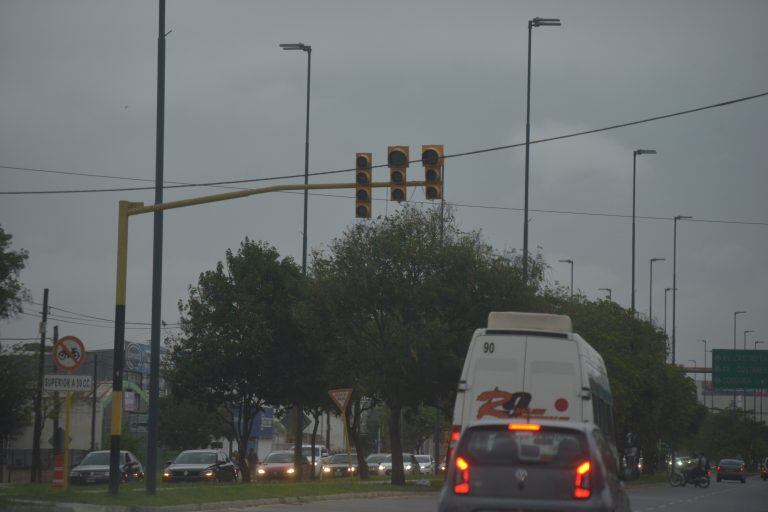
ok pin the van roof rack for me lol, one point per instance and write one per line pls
(511, 320)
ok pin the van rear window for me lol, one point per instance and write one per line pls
(496, 444)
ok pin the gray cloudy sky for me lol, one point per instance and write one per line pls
(77, 92)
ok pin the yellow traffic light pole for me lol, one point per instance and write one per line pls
(125, 211)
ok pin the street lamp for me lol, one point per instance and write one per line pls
(535, 22)
(650, 290)
(674, 282)
(308, 49)
(571, 262)
(634, 180)
(735, 314)
(606, 290)
(694, 366)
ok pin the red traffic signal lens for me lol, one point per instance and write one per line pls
(362, 163)
(362, 178)
(397, 158)
(362, 195)
(398, 195)
(397, 176)
(430, 157)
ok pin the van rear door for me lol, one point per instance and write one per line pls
(495, 377)
(553, 378)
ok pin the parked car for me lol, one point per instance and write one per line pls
(410, 465)
(548, 465)
(280, 465)
(426, 464)
(201, 466)
(339, 465)
(373, 461)
(321, 453)
(731, 469)
(94, 468)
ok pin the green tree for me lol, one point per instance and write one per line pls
(186, 425)
(12, 292)
(405, 293)
(17, 386)
(237, 336)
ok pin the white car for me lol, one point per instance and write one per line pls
(426, 464)
(410, 465)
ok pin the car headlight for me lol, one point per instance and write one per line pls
(208, 473)
(326, 469)
(352, 468)
(166, 474)
(381, 467)
(260, 471)
(408, 467)
(290, 471)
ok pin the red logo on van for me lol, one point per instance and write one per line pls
(503, 404)
(561, 404)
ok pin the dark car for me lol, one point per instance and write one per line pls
(764, 469)
(340, 464)
(94, 468)
(280, 465)
(731, 469)
(564, 466)
(201, 466)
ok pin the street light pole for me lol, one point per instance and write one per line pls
(674, 283)
(745, 338)
(535, 22)
(571, 263)
(705, 375)
(634, 181)
(754, 394)
(666, 291)
(650, 290)
(735, 314)
(606, 290)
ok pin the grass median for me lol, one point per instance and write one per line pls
(184, 493)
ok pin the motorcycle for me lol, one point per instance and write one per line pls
(678, 479)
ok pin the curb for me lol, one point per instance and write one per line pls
(44, 506)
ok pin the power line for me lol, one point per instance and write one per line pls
(58, 319)
(88, 316)
(322, 173)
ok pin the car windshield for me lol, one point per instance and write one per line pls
(497, 445)
(342, 458)
(406, 458)
(96, 459)
(196, 458)
(376, 457)
(731, 462)
(423, 458)
(279, 457)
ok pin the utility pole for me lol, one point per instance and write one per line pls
(37, 469)
(56, 404)
(93, 401)
(157, 273)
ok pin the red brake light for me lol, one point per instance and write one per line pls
(718, 468)
(461, 479)
(582, 484)
(531, 427)
(741, 468)
(455, 433)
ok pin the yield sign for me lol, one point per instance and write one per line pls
(341, 397)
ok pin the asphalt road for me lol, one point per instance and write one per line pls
(719, 497)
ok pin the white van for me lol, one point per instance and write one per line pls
(533, 366)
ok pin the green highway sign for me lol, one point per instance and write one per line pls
(739, 369)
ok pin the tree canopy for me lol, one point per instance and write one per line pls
(12, 292)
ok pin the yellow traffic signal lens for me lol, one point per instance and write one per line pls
(431, 175)
(362, 178)
(362, 194)
(397, 176)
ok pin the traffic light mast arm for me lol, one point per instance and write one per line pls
(139, 208)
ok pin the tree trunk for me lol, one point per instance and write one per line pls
(354, 434)
(316, 414)
(243, 436)
(298, 458)
(398, 475)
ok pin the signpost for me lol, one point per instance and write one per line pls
(739, 369)
(341, 398)
(68, 353)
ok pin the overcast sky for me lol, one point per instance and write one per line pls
(77, 93)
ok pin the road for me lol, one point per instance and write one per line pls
(719, 497)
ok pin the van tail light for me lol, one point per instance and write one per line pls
(455, 433)
(718, 468)
(582, 485)
(530, 427)
(461, 477)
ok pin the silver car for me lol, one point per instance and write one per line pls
(548, 465)
(410, 465)
(426, 464)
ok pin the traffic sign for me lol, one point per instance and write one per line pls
(68, 353)
(64, 382)
(341, 397)
(739, 369)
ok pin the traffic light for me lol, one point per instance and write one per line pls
(432, 159)
(397, 160)
(363, 178)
